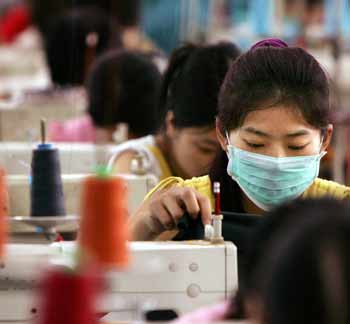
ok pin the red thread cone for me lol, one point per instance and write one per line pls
(103, 230)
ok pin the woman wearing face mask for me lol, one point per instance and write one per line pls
(273, 126)
(187, 110)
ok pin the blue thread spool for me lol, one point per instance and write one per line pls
(46, 190)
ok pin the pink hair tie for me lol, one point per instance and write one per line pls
(269, 42)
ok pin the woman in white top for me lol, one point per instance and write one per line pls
(188, 106)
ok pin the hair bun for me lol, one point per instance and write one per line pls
(270, 42)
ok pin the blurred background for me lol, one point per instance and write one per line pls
(36, 39)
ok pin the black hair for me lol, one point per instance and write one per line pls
(125, 13)
(67, 44)
(124, 88)
(285, 266)
(43, 11)
(268, 76)
(192, 81)
(309, 265)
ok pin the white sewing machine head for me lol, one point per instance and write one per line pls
(177, 275)
(75, 158)
(19, 193)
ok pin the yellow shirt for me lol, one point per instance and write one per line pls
(319, 188)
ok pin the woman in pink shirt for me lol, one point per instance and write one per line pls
(75, 130)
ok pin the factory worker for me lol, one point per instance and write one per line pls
(273, 127)
(186, 118)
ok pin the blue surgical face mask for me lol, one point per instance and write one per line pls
(269, 181)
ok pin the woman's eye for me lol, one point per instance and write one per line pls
(207, 150)
(255, 145)
(297, 148)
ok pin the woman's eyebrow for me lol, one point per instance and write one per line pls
(301, 132)
(255, 131)
(258, 132)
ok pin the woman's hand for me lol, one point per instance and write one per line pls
(163, 210)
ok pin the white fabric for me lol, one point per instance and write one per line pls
(140, 145)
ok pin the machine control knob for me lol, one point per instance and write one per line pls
(193, 267)
(173, 267)
(193, 290)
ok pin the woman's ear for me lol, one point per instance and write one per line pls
(170, 124)
(221, 137)
(327, 137)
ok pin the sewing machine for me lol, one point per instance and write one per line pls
(19, 193)
(75, 158)
(178, 275)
